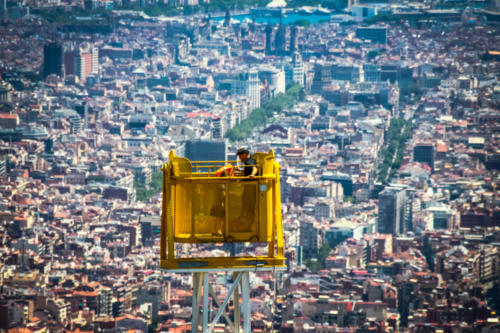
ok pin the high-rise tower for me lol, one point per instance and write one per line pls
(391, 211)
(424, 152)
(52, 59)
(206, 150)
(81, 61)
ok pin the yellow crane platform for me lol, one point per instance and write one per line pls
(204, 204)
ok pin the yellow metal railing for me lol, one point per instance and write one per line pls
(207, 168)
(201, 207)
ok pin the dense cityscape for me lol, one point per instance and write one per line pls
(383, 115)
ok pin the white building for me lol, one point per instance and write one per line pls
(294, 71)
(247, 84)
(275, 79)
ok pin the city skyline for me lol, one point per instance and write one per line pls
(383, 116)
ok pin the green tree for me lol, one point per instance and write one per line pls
(143, 194)
(397, 134)
(302, 23)
(316, 264)
(260, 116)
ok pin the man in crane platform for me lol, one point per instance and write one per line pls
(249, 194)
(248, 191)
(250, 169)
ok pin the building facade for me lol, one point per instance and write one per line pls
(391, 211)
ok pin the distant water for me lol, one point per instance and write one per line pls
(288, 19)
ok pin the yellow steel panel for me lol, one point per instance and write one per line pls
(208, 212)
(164, 209)
(182, 210)
(278, 218)
(168, 213)
(243, 211)
(265, 215)
(229, 262)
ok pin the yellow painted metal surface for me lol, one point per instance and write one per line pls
(201, 205)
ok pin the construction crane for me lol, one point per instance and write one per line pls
(203, 202)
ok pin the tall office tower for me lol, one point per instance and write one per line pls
(424, 152)
(269, 32)
(293, 39)
(83, 65)
(247, 84)
(309, 239)
(52, 59)
(391, 211)
(69, 61)
(322, 77)
(205, 150)
(81, 61)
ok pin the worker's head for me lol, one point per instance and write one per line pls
(243, 154)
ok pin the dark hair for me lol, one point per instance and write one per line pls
(242, 151)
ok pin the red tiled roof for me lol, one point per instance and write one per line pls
(8, 116)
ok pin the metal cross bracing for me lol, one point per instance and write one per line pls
(239, 291)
